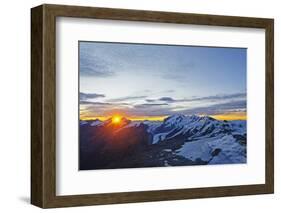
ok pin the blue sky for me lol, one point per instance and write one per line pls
(160, 80)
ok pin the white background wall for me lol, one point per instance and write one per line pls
(15, 106)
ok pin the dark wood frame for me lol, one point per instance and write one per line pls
(43, 105)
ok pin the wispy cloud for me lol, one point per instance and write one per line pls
(96, 103)
(149, 105)
(231, 106)
(218, 97)
(91, 64)
(165, 105)
(86, 96)
(164, 109)
(169, 91)
(167, 99)
(213, 98)
(95, 67)
(128, 98)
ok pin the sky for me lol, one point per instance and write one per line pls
(151, 82)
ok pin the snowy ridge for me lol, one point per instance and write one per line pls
(182, 140)
(96, 122)
(196, 126)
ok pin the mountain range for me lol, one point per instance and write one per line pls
(178, 140)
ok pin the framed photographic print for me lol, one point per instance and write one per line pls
(136, 106)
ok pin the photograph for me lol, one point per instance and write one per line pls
(140, 105)
(156, 105)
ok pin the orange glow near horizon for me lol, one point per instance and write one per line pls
(117, 118)
(140, 118)
(148, 118)
(231, 116)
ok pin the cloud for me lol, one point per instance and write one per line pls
(180, 70)
(95, 103)
(169, 91)
(213, 98)
(164, 109)
(95, 68)
(86, 96)
(91, 64)
(167, 99)
(101, 108)
(149, 105)
(231, 106)
(218, 97)
(105, 104)
(218, 104)
(127, 98)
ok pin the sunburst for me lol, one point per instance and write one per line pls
(116, 119)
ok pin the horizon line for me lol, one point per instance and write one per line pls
(233, 116)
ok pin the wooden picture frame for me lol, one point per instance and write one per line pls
(43, 105)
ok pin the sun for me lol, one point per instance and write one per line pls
(116, 119)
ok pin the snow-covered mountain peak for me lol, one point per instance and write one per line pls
(183, 120)
(177, 140)
(96, 122)
(175, 119)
